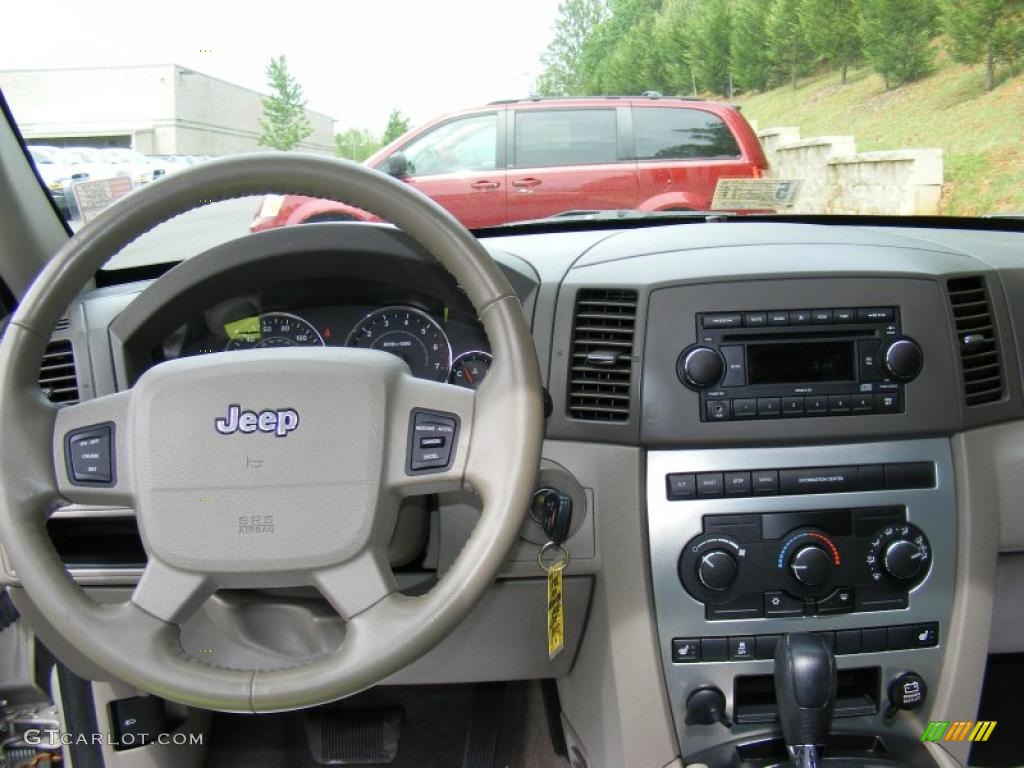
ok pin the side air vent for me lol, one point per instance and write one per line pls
(602, 354)
(979, 344)
(63, 324)
(57, 373)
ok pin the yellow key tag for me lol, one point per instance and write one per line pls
(556, 614)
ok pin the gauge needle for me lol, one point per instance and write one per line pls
(468, 375)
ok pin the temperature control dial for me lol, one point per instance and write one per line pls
(810, 565)
(900, 552)
(811, 558)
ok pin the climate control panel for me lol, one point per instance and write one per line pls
(814, 562)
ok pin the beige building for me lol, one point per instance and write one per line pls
(157, 110)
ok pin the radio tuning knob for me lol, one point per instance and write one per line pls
(700, 367)
(903, 359)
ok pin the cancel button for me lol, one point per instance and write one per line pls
(818, 480)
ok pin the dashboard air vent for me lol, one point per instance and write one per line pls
(602, 354)
(979, 345)
(57, 373)
(63, 324)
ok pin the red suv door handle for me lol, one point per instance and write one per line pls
(528, 183)
(485, 185)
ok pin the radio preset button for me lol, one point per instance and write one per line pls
(839, 404)
(755, 319)
(744, 408)
(778, 317)
(863, 403)
(723, 320)
(768, 406)
(843, 316)
(815, 405)
(792, 406)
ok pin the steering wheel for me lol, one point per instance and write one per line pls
(336, 430)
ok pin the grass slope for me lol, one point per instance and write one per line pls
(981, 132)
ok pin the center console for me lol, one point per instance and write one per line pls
(855, 543)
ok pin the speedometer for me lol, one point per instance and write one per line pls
(410, 334)
(274, 329)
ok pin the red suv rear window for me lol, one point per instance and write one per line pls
(681, 134)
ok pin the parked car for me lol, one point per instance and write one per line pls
(141, 168)
(517, 160)
(57, 174)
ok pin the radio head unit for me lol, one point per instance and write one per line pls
(796, 363)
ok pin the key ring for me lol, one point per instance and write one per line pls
(558, 564)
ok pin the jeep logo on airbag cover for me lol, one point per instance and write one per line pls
(277, 422)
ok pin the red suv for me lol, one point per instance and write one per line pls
(519, 160)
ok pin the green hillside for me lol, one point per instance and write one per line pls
(981, 132)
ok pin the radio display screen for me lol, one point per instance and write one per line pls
(803, 362)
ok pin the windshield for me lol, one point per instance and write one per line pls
(551, 109)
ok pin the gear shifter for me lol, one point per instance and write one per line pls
(805, 688)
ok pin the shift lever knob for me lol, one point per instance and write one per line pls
(805, 688)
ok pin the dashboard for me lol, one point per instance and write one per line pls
(763, 427)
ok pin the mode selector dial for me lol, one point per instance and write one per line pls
(717, 569)
(903, 359)
(810, 565)
(903, 559)
(700, 367)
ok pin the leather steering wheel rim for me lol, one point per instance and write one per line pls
(496, 454)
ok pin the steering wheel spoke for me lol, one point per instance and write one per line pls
(90, 451)
(438, 427)
(169, 593)
(358, 584)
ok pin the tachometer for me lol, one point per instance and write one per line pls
(274, 329)
(410, 334)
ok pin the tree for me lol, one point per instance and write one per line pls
(750, 54)
(830, 28)
(672, 43)
(789, 52)
(284, 123)
(356, 144)
(576, 21)
(896, 38)
(397, 125)
(985, 30)
(711, 50)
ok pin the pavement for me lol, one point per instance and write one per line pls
(189, 234)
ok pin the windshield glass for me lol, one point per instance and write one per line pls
(888, 107)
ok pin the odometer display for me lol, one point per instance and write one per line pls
(273, 329)
(409, 334)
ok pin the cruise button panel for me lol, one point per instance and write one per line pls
(433, 437)
(89, 453)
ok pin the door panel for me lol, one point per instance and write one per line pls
(565, 160)
(458, 165)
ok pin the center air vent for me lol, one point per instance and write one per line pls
(979, 344)
(57, 373)
(602, 354)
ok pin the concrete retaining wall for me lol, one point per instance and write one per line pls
(839, 180)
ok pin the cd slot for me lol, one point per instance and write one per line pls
(796, 338)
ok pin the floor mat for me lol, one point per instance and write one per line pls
(1000, 701)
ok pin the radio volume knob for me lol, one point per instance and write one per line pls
(903, 559)
(717, 569)
(700, 367)
(903, 359)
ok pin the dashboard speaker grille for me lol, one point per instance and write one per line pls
(978, 341)
(57, 373)
(601, 370)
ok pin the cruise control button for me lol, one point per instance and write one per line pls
(433, 442)
(782, 604)
(840, 601)
(428, 428)
(90, 455)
